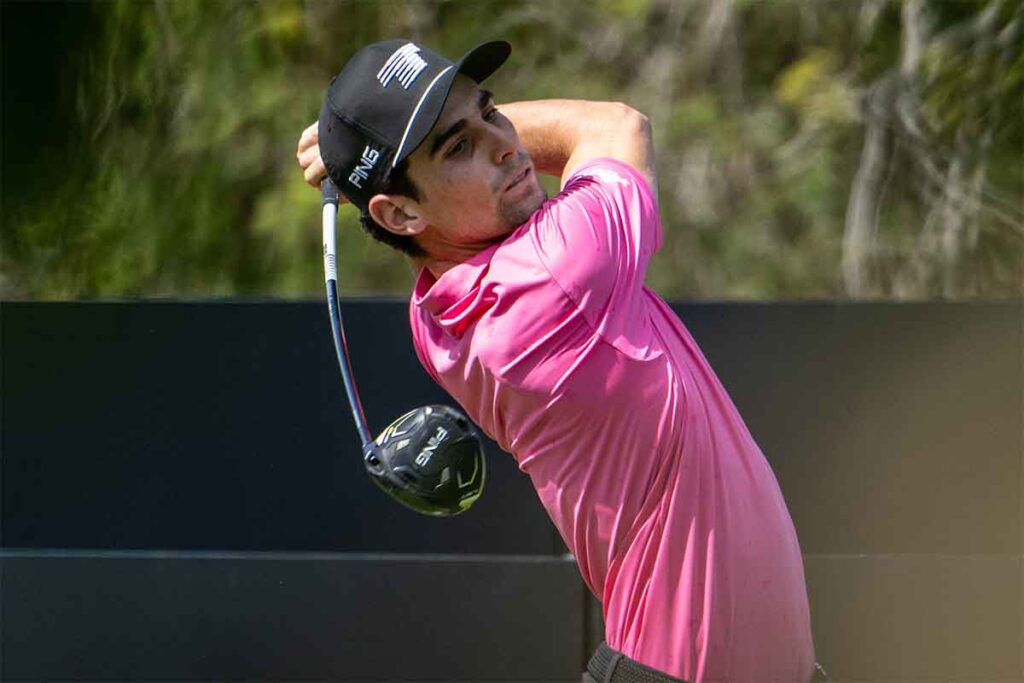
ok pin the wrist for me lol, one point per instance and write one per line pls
(542, 133)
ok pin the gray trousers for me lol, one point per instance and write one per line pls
(610, 666)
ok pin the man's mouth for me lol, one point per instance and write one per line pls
(519, 177)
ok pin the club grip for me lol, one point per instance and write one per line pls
(328, 192)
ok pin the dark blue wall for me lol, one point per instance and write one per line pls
(183, 497)
(224, 427)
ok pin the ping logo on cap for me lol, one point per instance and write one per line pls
(362, 169)
(404, 64)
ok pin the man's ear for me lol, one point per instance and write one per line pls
(396, 214)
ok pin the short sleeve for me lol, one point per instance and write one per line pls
(596, 239)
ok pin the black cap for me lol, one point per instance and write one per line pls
(382, 105)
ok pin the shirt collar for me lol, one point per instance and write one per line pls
(450, 295)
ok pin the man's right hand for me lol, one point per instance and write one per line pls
(308, 156)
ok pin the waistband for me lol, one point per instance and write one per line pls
(610, 666)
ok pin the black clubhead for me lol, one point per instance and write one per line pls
(431, 459)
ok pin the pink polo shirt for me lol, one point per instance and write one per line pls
(552, 344)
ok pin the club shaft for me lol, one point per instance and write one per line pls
(330, 213)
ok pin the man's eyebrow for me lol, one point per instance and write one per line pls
(444, 136)
(483, 98)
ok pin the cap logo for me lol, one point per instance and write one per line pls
(362, 169)
(404, 64)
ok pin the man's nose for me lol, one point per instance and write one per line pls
(504, 146)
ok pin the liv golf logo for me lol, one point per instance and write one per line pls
(404, 65)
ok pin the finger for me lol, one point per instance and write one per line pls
(309, 156)
(310, 136)
(315, 172)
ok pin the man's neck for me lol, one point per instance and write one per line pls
(437, 267)
(440, 258)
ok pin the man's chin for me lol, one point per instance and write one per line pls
(514, 216)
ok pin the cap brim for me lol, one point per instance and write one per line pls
(479, 63)
(483, 60)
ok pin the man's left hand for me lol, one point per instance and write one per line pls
(308, 156)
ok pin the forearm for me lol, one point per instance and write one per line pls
(547, 130)
(561, 134)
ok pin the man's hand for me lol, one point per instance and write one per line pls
(308, 156)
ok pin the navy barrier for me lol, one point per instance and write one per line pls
(183, 497)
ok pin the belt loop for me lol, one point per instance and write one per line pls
(613, 663)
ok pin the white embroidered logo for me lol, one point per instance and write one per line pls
(362, 169)
(607, 175)
(405, 65)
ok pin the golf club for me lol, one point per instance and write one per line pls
(429, 459)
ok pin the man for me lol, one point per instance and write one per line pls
(531, 312)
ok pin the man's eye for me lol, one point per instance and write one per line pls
(457, 149)
(491, 115)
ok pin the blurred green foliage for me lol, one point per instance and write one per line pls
(805, 149)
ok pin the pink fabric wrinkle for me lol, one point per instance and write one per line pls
(708, 597)
(557, 350)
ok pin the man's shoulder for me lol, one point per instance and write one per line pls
(607, 171)
(611, 175)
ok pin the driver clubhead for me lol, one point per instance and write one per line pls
(430, 460)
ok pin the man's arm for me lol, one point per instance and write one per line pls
(562, 135)
(559, 135)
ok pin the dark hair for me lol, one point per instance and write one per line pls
(398, 182)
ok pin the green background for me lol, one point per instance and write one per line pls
(861, 149)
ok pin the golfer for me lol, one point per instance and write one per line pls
(532, 313)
